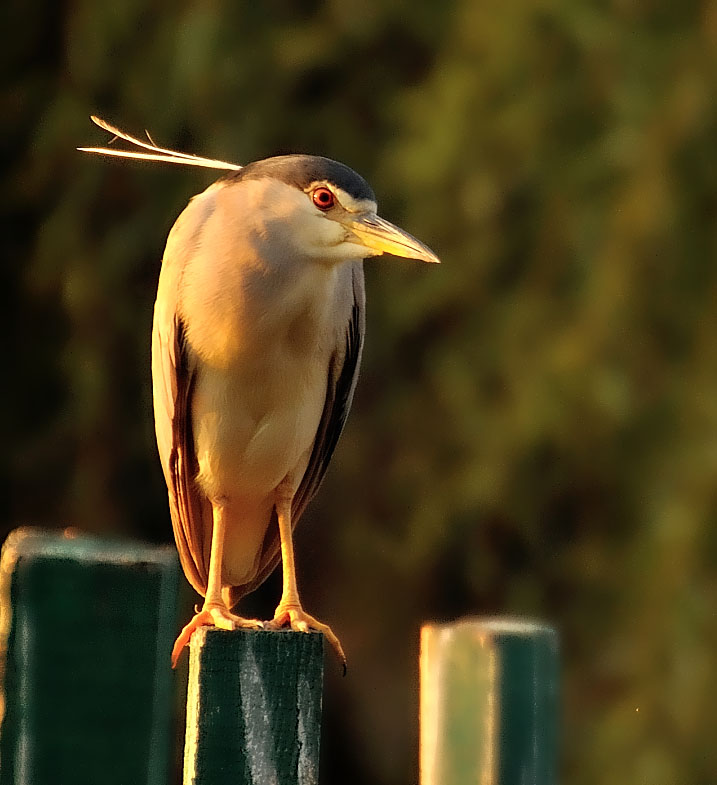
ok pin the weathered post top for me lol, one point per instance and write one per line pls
(253, 707)
(86, 627)
(489, 703)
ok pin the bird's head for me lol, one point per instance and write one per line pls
(323, 210)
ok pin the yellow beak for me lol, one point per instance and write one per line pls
(384, 237)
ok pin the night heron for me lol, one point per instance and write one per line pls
(258, 332)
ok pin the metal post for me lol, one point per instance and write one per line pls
(253, 707)
(489, 703)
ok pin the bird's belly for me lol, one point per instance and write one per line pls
(254, 424)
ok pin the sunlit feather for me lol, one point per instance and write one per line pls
(157, 153)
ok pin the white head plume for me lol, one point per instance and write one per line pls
(156, 154)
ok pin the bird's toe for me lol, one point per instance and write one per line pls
(211, 615)
(296, 618)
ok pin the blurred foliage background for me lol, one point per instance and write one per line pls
(535, 429)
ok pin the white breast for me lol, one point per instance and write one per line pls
(255, 413)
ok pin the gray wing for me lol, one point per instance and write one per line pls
(173, 378)
(341, 382)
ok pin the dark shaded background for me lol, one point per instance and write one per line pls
(535, 429)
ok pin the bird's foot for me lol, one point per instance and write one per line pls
(296, 618)
(211, 615)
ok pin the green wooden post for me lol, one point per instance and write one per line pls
(86, 629)
(489, 703)
(253, 707)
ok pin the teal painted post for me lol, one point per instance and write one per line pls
(253, 707)
(86, 629)
(489, 703)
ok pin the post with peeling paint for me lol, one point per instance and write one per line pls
(489, 703)
(253, 707)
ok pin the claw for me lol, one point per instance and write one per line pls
(216, 616)
(295, 617)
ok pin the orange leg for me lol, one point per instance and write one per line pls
(289, 610)
(214, 611)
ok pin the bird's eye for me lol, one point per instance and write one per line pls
(323, 198)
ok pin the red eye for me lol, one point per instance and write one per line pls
(322, 198)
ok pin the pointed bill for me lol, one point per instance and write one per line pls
(381, 236)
